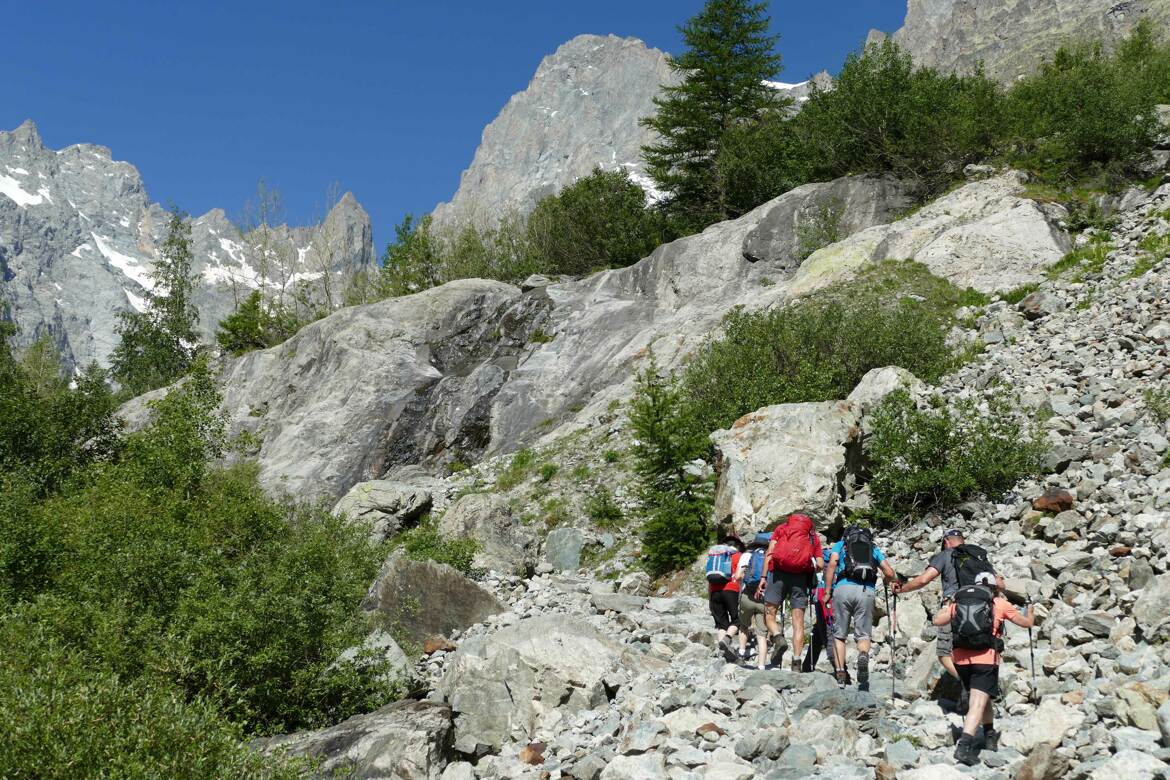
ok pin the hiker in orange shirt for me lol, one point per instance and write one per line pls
(976, 617)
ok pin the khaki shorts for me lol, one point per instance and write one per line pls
(751, 615)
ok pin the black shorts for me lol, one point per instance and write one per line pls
(980, 677)
(724, 608)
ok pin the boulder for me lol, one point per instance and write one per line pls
(1127, 764)
(879, 383)
(1048, 725)
(781, 238)
(648, 766)
(1043, 763)
(386, 506)
(1040, 304)
(984, 235)
(500, 686)
(407, 739)
(380, 645)
(1150, 608)
(782, 459)
(562, 548)
(506, 544)
(1053, 500)
(425, 599)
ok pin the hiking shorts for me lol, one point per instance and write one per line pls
(751, 615)
(945, 644)
(852, 604)
(724, 608)
(980, 677)
(784, 584)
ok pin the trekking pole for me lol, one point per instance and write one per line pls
(894, 650)
(1032, 657)
(890, 615)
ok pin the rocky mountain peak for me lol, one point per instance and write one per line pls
(1010, 37)
(580, 111)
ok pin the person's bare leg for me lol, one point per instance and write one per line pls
(797, 633)
(762, 650)
(979, 702)
(770, 619)
(949, 664)
(839, 652)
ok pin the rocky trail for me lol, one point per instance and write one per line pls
(585, 674)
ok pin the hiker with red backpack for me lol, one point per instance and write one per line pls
(723, 591)
(851, 582)
(794, 556)
(975, 617)
(957, 564)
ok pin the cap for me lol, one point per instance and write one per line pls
(953, 532)
(984, 578)
(734, 540)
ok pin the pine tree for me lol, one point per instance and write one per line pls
(728, 58)
(158, 345)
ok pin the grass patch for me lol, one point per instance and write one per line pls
(1158, 403)
(517, 469)
(547, 471)
(1079, 263)
(539, 336)
(1018, 294)
(425, 543)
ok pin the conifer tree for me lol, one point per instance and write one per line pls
(158, 345)
(729, 55)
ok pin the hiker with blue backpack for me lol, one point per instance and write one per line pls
(751, 572)
(850, 587)
(975, 617)
(723, 590)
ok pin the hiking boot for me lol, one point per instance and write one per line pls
(862, 672)
(779, 645)
(990, 740)
(797, 665)
(965, 751)
(729, 654)
(843, 678)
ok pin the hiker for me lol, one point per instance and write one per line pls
(752, 571)
(794, 556)
(975, 618)
(822, 623)
(850, 585)
(723, 590)
(972, 560)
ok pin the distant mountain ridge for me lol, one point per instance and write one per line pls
(78, 236)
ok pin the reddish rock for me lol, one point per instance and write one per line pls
(1120, 551)
(533, 753)
(709, 727)
(1054, 500)
(885, 771)
(436, 643)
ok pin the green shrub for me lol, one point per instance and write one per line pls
(1018, 294)
(1158, 403)
(1085, 112)
(425, 543)
(884, 115)
(1077, 264)
(675, 502)
(819, 227)
(819, 348)
(547, 471)
(603, 510)
(599, 221)
(60, 717)
(759, 161)
(933, 458)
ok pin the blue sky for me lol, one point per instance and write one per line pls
(384, 98)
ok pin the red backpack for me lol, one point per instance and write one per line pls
(795, 548)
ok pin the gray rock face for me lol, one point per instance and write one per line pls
(387, 506)
(505, 543)
(78, 236)
(581, 110)
(405, 740)
(427, 599)
(1011, 37)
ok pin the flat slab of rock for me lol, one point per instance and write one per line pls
(405, 739)
(387, 506)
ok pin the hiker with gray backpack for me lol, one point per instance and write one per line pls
(975, 617)
(752, 571)
(723, 590)
(957, 564)
(850, 592)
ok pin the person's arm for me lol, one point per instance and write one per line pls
(745, 560)
(830, 575)
(888, 573)
(818, 552)
(767, 568)
(921, 581)
(1026, 620)
(943, 616)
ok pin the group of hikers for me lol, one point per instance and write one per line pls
(750, 584)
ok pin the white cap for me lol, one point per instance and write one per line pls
(984, 578)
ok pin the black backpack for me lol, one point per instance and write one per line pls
(973, 627)
(970, 561)
(857, 549)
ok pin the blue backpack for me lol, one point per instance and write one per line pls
(719, 564)
(758, 565)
